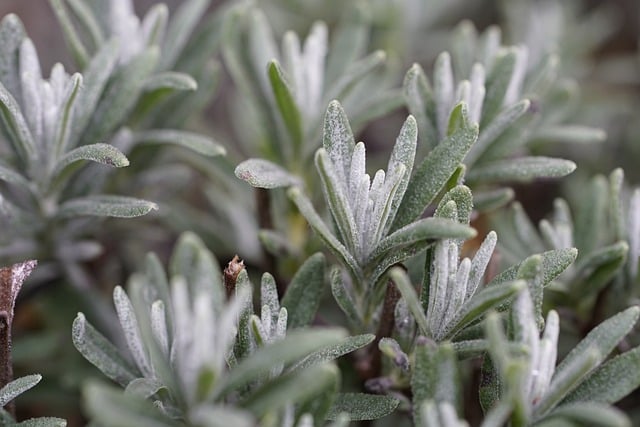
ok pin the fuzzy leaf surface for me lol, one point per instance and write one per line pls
(113, 206)
(360, 406)
(265, 174)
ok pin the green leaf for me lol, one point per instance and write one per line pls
(100, 153)
(41, 422)
(435, 171)
(101, 205)
(409, 294)
(424, 229)
(113, 408)
(523, 169)
(291, 388)
(343, 297)
(265, 174)
(355, 73)
(131, 329)
(304, 292)
(360, 406)
(554, 262)
(484, 300)
(71, 36)
(121, 95)
(610, 382)
(64, 126)
(591, 414)
(170, 80)
(11, 176)
(286, 104)
(419, 97)
(337, 140)
(485, 201)
(180, 28)
(497, 84)
(16, 387)
(199, 143)
(571, 134)
(332, 352)
(597, 268)
(87, 19)
(334, 245)
(295, 345)
(16, 126)
(221, 416)
(12, 34)
(101, 353)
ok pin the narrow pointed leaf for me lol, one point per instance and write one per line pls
(360, 406)
(41, 422)
(554, 262)
(419, 97)
(64, 127)
(265, 174)
(101, 353)
(338, 140)
(355, 73)
(72, 38)
(522, 169)
(195, 141)
(332, 352)
(484, 300)
(297, 344)
(180, 28)
(286, 104)
(291, 388)
(403, 154)
(221, 416)
(424, 229)
(170, 80)
(17, 387)
(435, 171)
(610, 382)
(11, 176)
(497, 85)
(409, 294)
(111, 407)
(591, 414)
(100, 153)
(343, 298)
(304, 292)
(16, 125)
(113, 206)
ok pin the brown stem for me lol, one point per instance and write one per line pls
(6, 373)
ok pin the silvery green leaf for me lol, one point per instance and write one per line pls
(338, 140)
(434, 375)
(113, 206)
(463, 199)
(424, 229)
(180, 28)
(143, 387)
(343, 297)
(40, 422)
(286, 103)
(265, 174)
(403, 153)
(295, 345)
(480, 262)
(496, 128)
(334, 245)
(522, 169)
(587, 413)
(154, 24)
(193, 261)
(490, 200)
(111, 408)
(409, 294)
(571, 134)
(360, 406)
(207, 415)
(16, 387)
(611, 381)
(554, 262)
(12, 34)
(291, 388)
(420, 101)
(87, 19)
(499, 414)
(497, 84)
(599, 266)
(96, 75)
(442, 414)
(262, 49)
(585, 356)
(349, 42)
(443, 92)
(354, 74)
(16, 126)
(121, 95)
(170, 80)
(616, 214)
(199, 143)
(484, 300)
(530, 270)
(435, 170)
(276, 243)
(100, 153)
(11, 176)
(71, 36)
(590, 220)
(332, 352)
(470, 348)
(132, 332)
(101, 353)
(304, 292)
(64, 127)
